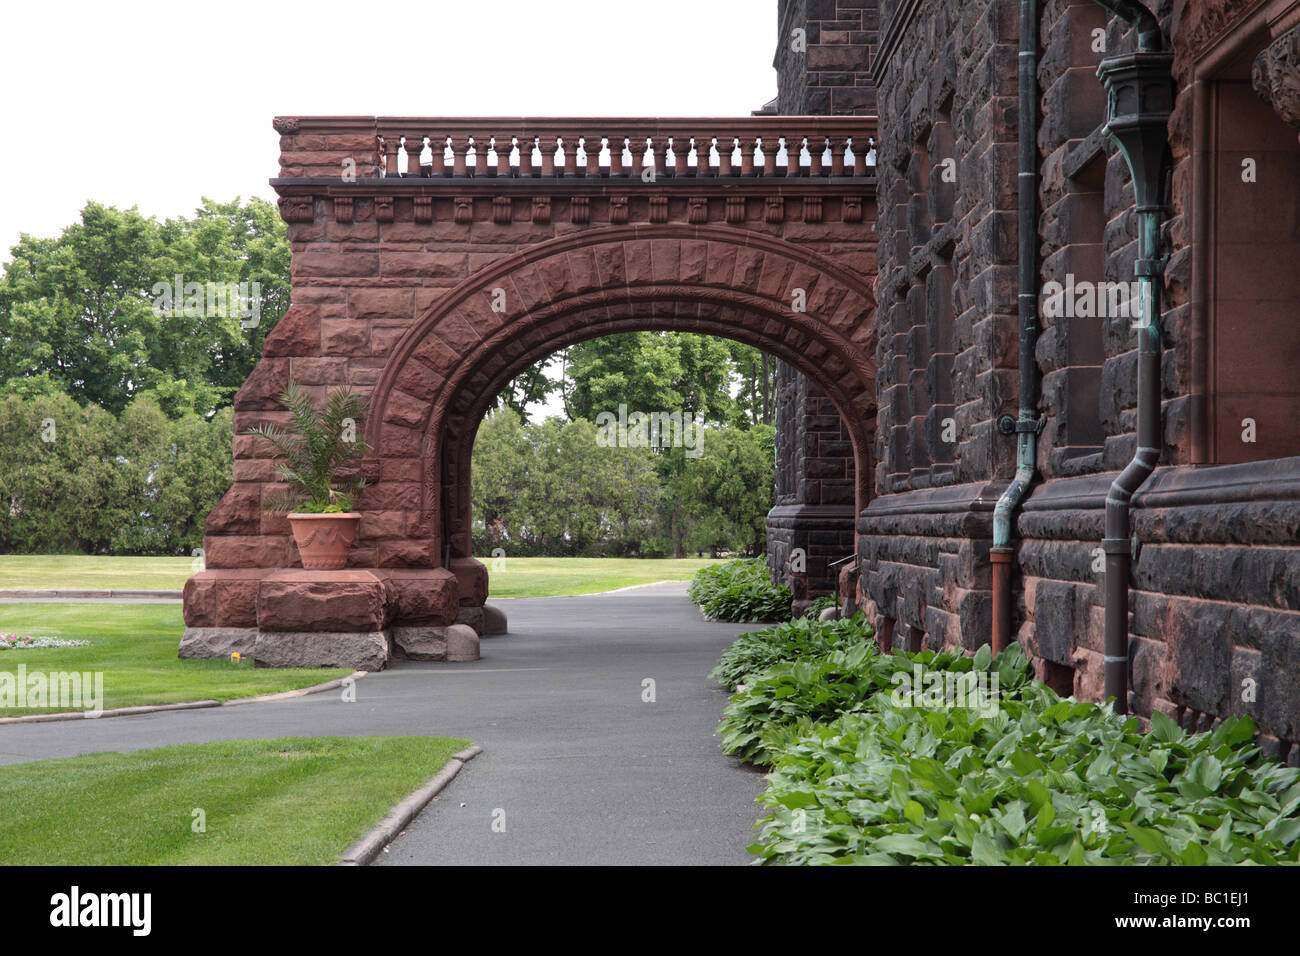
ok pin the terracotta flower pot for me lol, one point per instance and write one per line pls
(324, 540)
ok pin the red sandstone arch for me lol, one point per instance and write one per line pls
(567, 255)
(443, 374)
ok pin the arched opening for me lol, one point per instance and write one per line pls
(446, 372)
(627, 447)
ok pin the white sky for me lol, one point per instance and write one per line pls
(156, 105)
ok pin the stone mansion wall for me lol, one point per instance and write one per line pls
(1215, 607)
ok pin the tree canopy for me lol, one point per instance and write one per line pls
(119, 360)
(79, 309)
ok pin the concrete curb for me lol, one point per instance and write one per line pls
(364, 851)
(182, 705)
(119, 712)
(39, 594)
(300, 692)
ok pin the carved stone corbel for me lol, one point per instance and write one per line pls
(297, 208)
(1276, 76)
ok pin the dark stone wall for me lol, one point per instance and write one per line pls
(945, 321)
(1215, 624)
(832, 74)
(811, 526)
(823, 56)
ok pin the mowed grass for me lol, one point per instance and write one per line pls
(520, 577)
(93, 572)
(297, 801)
(549, 577)
(134, 645)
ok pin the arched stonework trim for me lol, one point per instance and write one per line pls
(736, 285)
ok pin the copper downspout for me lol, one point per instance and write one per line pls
(1028, 425)
(1140, 94)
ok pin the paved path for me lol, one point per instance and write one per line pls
(584, 770)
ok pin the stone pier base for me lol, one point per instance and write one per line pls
(355, 617)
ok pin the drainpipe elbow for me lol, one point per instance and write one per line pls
(1137, 471)
(1015, 492)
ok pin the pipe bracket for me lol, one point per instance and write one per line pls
(1116, 545)
(1127, 546)
(1149, 267)
(1010, 425)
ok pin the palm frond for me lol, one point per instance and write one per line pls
(321, 453)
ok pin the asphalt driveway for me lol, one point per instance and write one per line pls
(596, 718)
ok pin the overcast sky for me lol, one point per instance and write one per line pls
(156, 105)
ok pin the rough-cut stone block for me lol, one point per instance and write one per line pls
(211, 643)
(1279, 690)
(297, 333)
(381, 304)
(237, 597)
(421, 596)
(422, 643)
(472, 617)
(347, 600)
(472, 576)
(364, 650)
(1054, 620)
(344, 337)
(423, 264)
(261, 390)
(405, 554)
(462, 643)
(494, 621)
(239, 511)
(200, 597)
(245, 551)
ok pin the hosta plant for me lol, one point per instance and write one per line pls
(740, 590)
(814, 610)
(1043, 781)
(757, 723)
(800, 639)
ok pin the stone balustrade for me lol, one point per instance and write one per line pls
(353, 148)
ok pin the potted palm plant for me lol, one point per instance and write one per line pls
(322, 453)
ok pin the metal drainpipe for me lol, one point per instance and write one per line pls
(1140, 94)
(1027, 427)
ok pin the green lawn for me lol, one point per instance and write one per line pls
(295, 801)
(134, 645)
(546, 577)
(93, 572)
(521, 577)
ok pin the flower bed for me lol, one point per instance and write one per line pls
(18, 642)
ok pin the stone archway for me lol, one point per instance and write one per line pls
(427, 292)
(446, 371)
